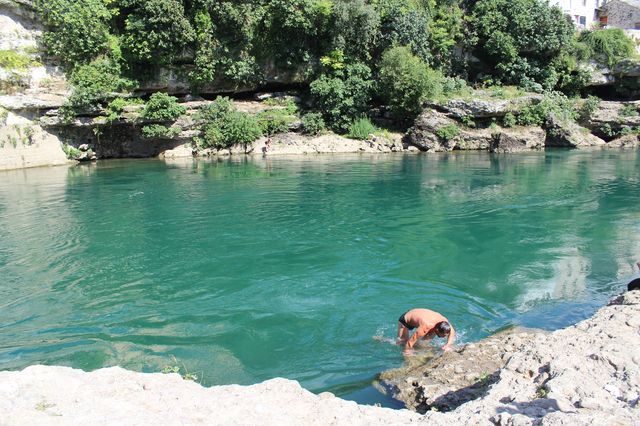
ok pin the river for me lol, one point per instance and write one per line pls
(245, 269)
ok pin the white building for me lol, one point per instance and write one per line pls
(582, 12)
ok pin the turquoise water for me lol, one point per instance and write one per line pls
(244, 270)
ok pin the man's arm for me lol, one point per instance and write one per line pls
(420, 332)
(450, 340)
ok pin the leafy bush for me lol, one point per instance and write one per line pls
(607, 46)
(509, 120)
(92, 84)
(361, 128)
(519, 39)
(312, 123)
(223, 126)
(155, 31)
(554, 102)
(12, 60)
(79, 29)
(343, 94)
(274, 121)
(628, 110)
(588, 107)
(447, 132)
(158, 131)
(162, 107)
(406, 83)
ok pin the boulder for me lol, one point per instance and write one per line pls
(429, 382)
(568, 134)
(627, 68)
(423, 133)
(517, 139)
(626, 141)
(610, 118)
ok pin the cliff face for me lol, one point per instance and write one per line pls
(586, 374)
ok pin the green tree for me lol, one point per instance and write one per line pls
(78, 30)
(343, 94)
(406, 82)
(355, 28)
(156, 31)
(518, 40)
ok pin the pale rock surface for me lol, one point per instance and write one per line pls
(483, 106)
(564, 133)
(41, 395)
(517, 139)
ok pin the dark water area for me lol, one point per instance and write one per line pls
(247, 269)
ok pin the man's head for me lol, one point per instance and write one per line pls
(443, 329)
(634, 285)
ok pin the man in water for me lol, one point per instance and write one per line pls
(428, 324)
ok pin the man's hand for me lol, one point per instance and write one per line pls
(447, 348)
(408, 352)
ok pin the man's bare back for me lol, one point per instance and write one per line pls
(428, 324)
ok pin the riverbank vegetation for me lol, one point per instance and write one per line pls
(349, 57)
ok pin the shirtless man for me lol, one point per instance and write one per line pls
(428, 324)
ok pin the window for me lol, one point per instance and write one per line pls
(583, 20)
(584, 2)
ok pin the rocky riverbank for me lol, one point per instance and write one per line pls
(585, 374)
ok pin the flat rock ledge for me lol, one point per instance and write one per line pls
(585, 374)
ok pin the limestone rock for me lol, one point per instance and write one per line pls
(423, 134)
(562, 133)
(627, 141)
(488, 107)
(611, 117)
(517, 139)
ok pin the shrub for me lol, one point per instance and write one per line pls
(15, 61)
(406, 82)
(223, 126)
(343, 94)
(607, 46)
(158, 131)
(274, 121)
(447, 132)
(162, 107)
(93, 83)
(588, 107)
(312, 123)
(509, 120)
(361, 128)
(554, 102)
(628, 111)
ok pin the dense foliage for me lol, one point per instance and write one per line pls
(350, 54)
(223, 126)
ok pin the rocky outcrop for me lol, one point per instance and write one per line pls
(627, 141)
(568, 134)
(484, 106)
(446, 382)
(585, 374)
(435, 131)
(611, 118)
(517, 139)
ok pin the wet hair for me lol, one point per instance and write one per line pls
(634, 285)
(443, 328)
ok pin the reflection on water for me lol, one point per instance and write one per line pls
(245, 268)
